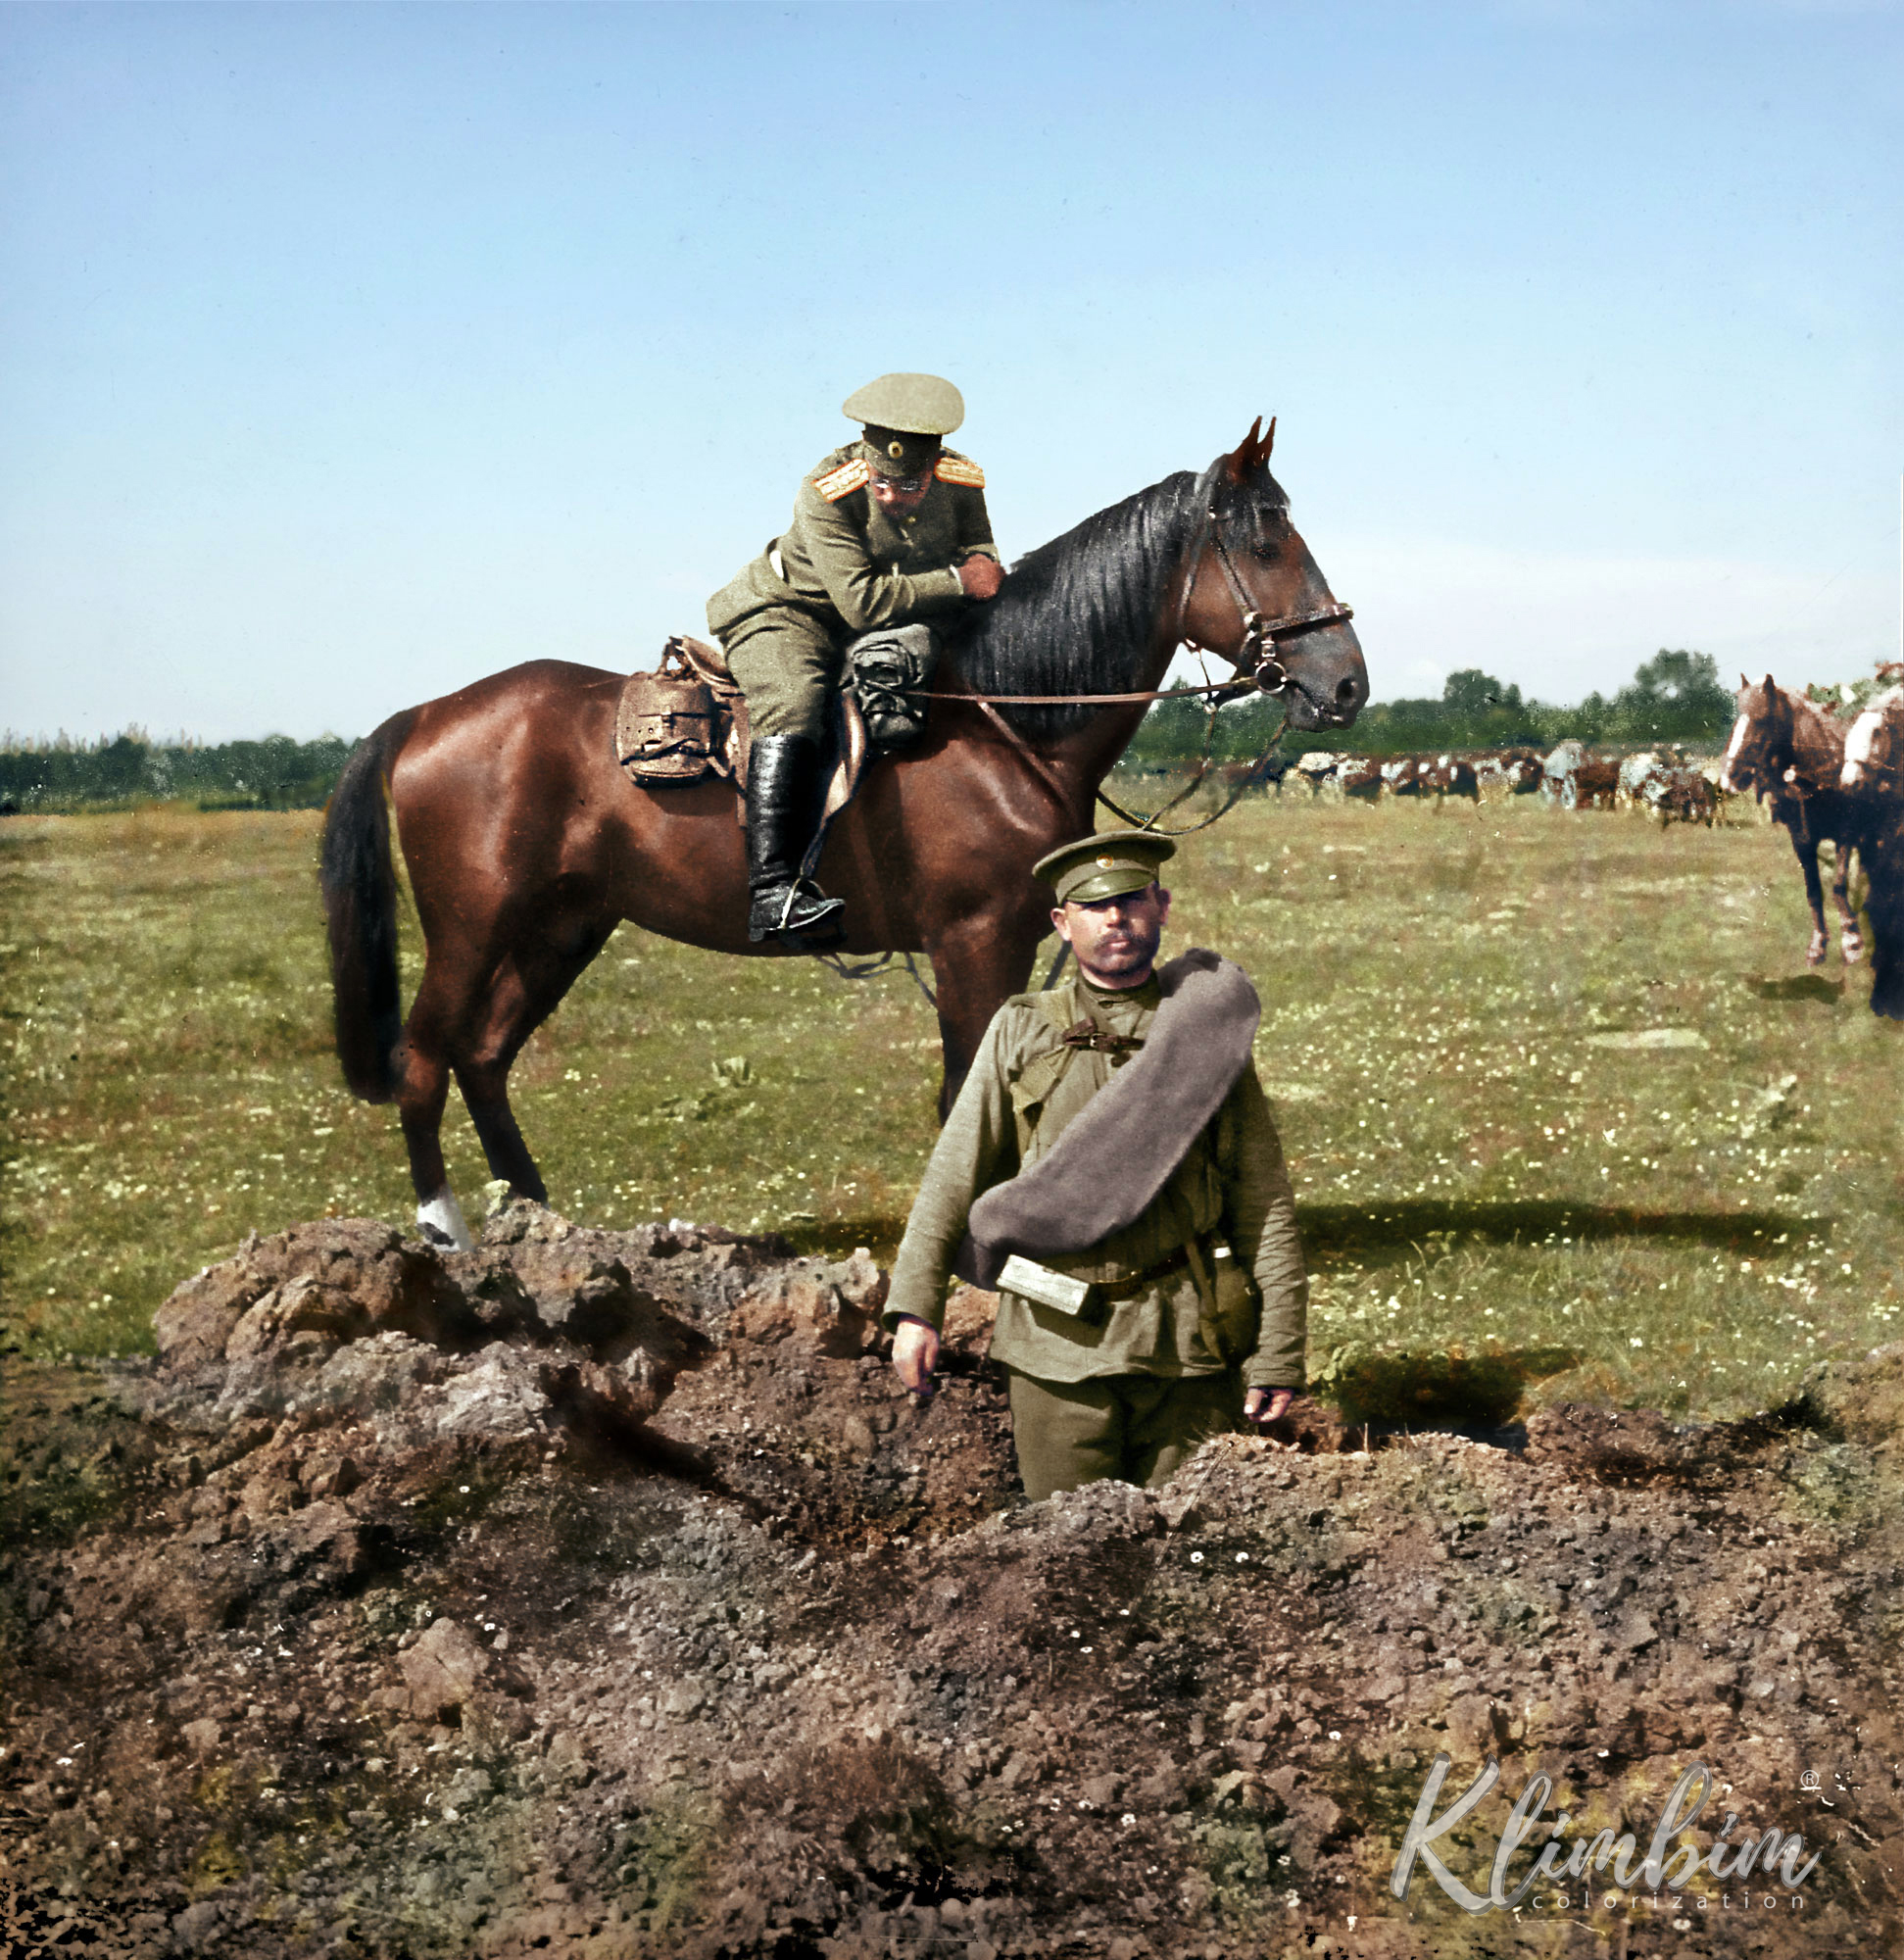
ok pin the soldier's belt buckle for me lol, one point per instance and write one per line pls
(1031, 1281)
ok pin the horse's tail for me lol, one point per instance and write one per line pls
(359, 887)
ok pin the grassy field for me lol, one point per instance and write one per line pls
(1557, 1090)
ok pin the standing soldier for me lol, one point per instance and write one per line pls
(887, 532)
(1111, 1168)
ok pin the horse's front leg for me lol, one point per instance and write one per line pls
(1807, 851)
(1849, 937)
(978, 962)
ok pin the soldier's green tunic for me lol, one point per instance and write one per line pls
(1233, 1184)
(843, 568)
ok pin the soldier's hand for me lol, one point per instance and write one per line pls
(1266, 1406)
(981, 576)
(915, 1354)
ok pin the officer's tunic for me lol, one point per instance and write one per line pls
(843, 568)
(1232, 1184)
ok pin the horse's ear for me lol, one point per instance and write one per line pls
(1252, 452)
(1242, 460)
(1742, 681)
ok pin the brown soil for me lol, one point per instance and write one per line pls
(603, 1595)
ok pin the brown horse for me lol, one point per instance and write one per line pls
(1785, 747)
(526, 845)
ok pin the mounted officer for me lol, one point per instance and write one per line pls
(887, 532)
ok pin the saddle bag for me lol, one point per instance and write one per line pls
(669, 727)
(886, 671)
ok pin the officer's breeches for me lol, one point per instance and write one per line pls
(788, 666)
(1137, 1428)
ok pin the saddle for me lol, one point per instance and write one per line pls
(688, 718)
(685, 720)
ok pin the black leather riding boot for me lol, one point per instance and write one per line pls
(783, 804)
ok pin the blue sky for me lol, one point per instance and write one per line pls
(350, 352)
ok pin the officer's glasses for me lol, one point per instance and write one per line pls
(905, 486)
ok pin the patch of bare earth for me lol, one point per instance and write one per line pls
(601, 1594)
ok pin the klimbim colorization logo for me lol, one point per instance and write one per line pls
(1775, 1856)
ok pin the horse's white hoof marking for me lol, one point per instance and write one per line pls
(440, 1222)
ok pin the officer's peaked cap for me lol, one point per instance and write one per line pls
(903, 418)
(908, 405)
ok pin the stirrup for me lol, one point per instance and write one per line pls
(798, 913)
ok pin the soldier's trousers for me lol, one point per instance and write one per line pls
(1137, 1428)
(789, 668)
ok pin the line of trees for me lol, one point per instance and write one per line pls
(63, 775)
(1675, 696)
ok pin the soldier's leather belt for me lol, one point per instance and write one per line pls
(1146, 1276)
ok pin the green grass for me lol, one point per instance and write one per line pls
(1482, 1167)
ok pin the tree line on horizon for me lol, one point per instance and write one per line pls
(1676, 696)
(64, 776)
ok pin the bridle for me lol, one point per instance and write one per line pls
(1257, 650)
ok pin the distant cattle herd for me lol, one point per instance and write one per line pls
(1825, 774)
(1660, 781)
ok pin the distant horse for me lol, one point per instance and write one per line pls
(1790, 750)
(1874, 747)
(526, 845)
(1873, 775)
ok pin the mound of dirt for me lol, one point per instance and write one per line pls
(604, 1595)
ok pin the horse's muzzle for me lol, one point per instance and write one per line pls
(1328, 681)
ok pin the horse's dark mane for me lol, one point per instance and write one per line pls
(1078, 614)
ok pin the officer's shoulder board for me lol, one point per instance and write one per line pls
(843, 481)
(955, 468)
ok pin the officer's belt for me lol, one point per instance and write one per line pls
(1113, 1159)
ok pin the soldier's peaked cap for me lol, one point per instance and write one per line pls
(1105, 865)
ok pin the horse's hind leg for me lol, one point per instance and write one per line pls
(525, 994)
(422, 1089)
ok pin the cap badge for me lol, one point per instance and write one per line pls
(1107, 864)
(896, 450)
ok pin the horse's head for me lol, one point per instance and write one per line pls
(1250, 592)
(1760, 750)
(1874, 750)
